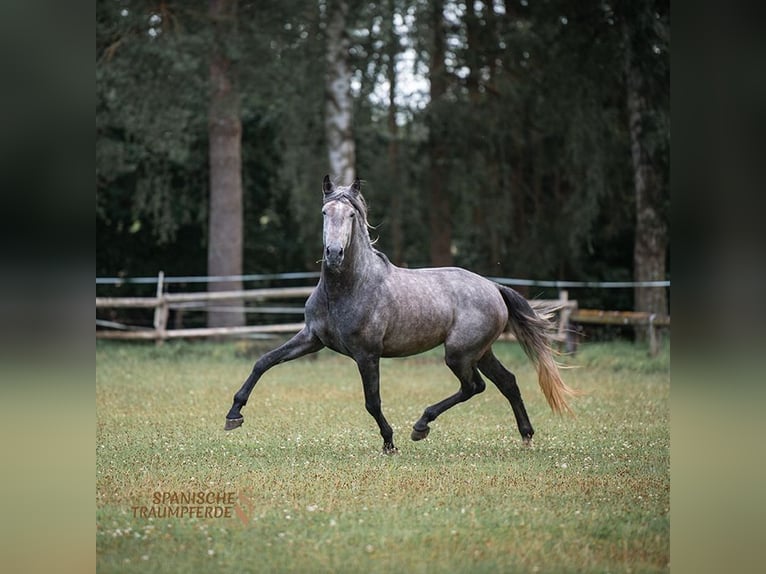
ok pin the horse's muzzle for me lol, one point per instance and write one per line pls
(333, 258)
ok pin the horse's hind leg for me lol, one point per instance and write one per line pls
(506, 383)
(471, 384)
(301, 344)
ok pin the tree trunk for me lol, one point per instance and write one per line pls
(225, 134)
(478, 155)
(440, 221)
(339, 106)
(649, 252)
(397, 189)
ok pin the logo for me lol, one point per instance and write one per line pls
(196, 504)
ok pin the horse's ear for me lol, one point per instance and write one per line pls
(356, 186)
(327, 186)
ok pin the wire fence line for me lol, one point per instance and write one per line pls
(207, 278)
(556, 284)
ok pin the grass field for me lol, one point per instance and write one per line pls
(311, 493)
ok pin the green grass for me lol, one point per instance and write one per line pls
(591, 495)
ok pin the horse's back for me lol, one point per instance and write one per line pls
(451, 287)
(430, 306)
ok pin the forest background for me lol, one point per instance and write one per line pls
(526, 139)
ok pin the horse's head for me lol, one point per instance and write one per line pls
(340, 211)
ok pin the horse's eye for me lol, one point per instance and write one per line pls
(324, 212)
(351, 214)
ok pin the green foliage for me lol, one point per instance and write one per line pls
(151, 148)
(591, 495)
(537, 163)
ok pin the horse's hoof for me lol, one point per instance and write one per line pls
(526, 441)
(231, 424)
(419, 434)
(390, 450)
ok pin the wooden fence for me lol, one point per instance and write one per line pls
(164, 302)
(567, 315)
(651, 321)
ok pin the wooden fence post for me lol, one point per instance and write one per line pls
(161, 310)
(654, 343)
(565, 332)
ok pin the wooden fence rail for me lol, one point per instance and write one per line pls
(636, 319)
(202, 296)
(164, 302)
(566, 314)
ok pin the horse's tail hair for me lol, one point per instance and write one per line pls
(533, 332)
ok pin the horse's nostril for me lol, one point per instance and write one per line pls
(334, 252)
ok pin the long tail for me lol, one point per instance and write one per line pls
(532, 332)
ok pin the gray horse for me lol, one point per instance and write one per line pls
(367, 308)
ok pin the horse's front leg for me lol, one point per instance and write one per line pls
(303, 343)
(369, 369)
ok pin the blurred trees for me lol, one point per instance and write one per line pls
(515, 138)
